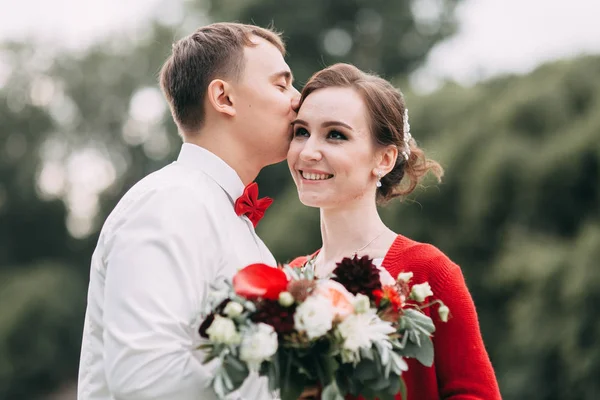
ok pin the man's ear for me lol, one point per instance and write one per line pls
(386, 160)
(220, 97)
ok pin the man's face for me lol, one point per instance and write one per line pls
(264, 102)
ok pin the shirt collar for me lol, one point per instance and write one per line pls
(198, 157)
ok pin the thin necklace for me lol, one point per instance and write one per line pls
(372, 240)
(319, 255)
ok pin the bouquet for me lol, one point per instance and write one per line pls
(349, 333)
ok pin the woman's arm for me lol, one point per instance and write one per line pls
(463, 368)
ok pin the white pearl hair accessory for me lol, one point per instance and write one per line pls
(407, 135)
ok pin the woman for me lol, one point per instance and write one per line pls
(352, 149)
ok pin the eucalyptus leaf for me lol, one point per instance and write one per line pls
(365, 370)
(419, 320)
(367, 353)
(379, 384)
(219, 386)
(402, 390)
(332, 392)
(235, 372)
(425, 353)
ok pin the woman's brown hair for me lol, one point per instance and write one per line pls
(386, 108)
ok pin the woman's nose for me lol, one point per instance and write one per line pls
(310, 151)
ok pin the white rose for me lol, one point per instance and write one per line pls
(233, 309)
(420, 292)
(314, 316)
(258, 346)
(362, 304)
(222, 330)
(405, 276)
(385, 277)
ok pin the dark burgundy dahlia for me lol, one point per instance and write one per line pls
(272, 313)
(358, 275)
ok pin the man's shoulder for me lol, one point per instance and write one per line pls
(174, 179)
(169, 192)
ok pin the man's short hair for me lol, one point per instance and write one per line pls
(213, 51)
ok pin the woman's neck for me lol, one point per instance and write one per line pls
(352, 229)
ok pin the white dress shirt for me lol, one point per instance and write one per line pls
(170, 237)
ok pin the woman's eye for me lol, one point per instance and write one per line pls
(337, 135)
(282, 86)
(301, 132)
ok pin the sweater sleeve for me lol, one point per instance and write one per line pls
(463, 368)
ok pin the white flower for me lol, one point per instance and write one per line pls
(443, 312)
(360, 331)
(258, 346)
(286, 299)
(314, 316)
(362, 304)
(233, 309)
(222, 330)
(385, 277)
(405, 276)
(420, 292)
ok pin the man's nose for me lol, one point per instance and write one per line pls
(295, 99)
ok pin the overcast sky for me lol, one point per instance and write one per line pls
(495, 36)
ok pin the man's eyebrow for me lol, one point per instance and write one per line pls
(289, 78)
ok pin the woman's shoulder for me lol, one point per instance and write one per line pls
(301, 260)
(423, 259)
(298, 261)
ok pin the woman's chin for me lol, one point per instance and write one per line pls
(311, 200)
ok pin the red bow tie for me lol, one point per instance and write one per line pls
(250, 205)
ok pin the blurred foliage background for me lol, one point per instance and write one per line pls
(519, 208)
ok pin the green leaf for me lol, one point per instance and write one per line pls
(236, 372)
(425, 352)
(403, 392)
(332, 392)
(367, 353)
(366, 370)
(219, 385)
(385, 396)
(379, 383)
(398, 364)
(419, 321)
(325, 367)
(292, 381)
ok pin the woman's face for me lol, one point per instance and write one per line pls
(332, 156)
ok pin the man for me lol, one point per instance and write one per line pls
(176, 231)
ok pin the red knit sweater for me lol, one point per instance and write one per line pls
(461, 369)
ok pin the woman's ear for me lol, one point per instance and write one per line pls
(386, 160)
(220, 97)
